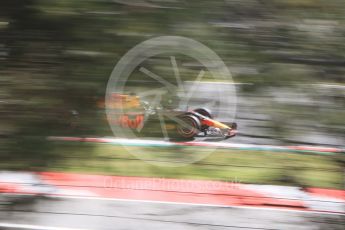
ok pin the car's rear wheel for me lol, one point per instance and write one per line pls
(188, 126)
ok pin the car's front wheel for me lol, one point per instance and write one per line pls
(188, 126)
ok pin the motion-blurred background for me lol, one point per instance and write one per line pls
(287, 58)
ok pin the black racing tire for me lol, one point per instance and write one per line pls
(193, 126)
(234, 125)
(205, 112)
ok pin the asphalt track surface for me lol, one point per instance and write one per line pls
(90, 213)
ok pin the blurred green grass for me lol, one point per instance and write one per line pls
(238, 166)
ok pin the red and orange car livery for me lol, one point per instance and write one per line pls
(129, 112)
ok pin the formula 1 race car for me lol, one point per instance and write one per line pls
(130, 112)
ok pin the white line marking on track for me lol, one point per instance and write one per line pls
(227, 145)
(35, 227)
